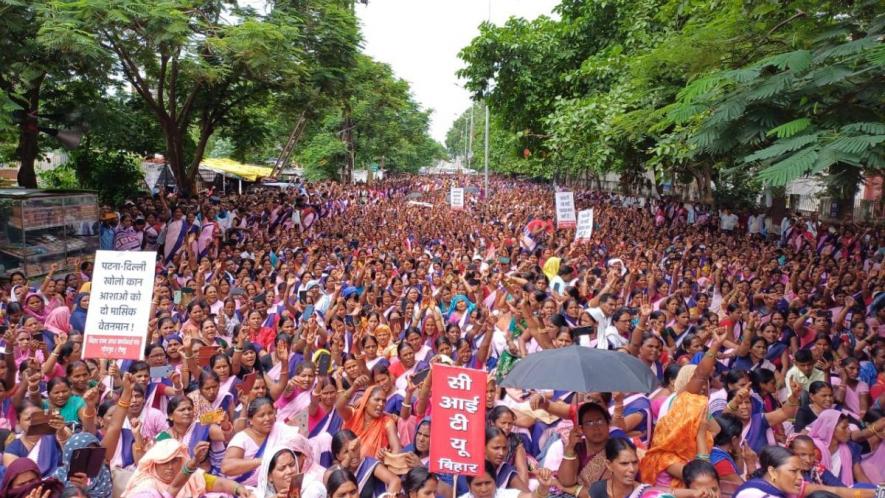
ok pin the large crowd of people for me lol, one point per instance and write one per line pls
(291, 331)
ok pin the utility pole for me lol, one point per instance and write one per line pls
(486, 153)
(470, 138)
(464, 162)
(486, 134)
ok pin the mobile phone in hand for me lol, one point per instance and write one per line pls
(87, 461)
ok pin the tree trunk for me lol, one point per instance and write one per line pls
(347, 137)
(28, 139)
(175, 158)
(845, 189)
(778, 205)
(706, 182)
(846, 207)
(193, 171)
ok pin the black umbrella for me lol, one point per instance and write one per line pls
(582, 369)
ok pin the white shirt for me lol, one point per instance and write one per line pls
(499, 493)
(613, 339)
(728, 221)
(754, 224)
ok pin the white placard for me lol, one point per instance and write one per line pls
(585, 226)
(119, 305)
(565, 210)
(456, 196)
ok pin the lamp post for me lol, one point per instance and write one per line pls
(470, 137)
(486, 153)
(486, 134)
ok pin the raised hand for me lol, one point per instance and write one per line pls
(91, 396)
(361, 382)
(575, 436)
(128, 382)
(201, 451)
(720, 335)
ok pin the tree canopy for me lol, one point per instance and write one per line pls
(689, 90)
(179, 77)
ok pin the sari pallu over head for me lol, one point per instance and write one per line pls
(39, 315)
(288, 437)
(25, 464)
(146, 476)
(78, 316)
(58, 321)
(373, 436)
(675, 437)
(99, 486)
(822, 431)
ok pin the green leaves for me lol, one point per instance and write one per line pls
(790, 128)
(803, 104)
(856, 145)
(798, 60)
(790, 168)
(686, 86)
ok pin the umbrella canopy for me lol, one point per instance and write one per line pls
(582, 369)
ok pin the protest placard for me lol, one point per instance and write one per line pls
(565, 210)
(585, 226)
(119, 305)
(457, 198)
(457, 441)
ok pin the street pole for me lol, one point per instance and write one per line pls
(470, 137)
(464, 162)
(486, 134)
(486, 152)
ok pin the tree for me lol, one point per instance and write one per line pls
(192, 63)
(330, 37)
(594, 90)
(27, 69)
(386, 126)
(815, 109)
(507, 153)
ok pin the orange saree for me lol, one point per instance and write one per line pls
(675, 438)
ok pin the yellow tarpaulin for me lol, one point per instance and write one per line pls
(248, 172)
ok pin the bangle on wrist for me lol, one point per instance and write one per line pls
(568, 457)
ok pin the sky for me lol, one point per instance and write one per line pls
(420, 39)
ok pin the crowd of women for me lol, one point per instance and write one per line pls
(291, 332)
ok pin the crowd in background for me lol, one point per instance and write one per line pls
(294, 328)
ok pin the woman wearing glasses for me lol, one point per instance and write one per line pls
(584, 460)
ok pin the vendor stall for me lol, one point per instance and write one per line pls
(39, 228)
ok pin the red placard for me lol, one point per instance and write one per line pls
(457, 434)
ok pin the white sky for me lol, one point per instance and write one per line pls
(421, 39)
